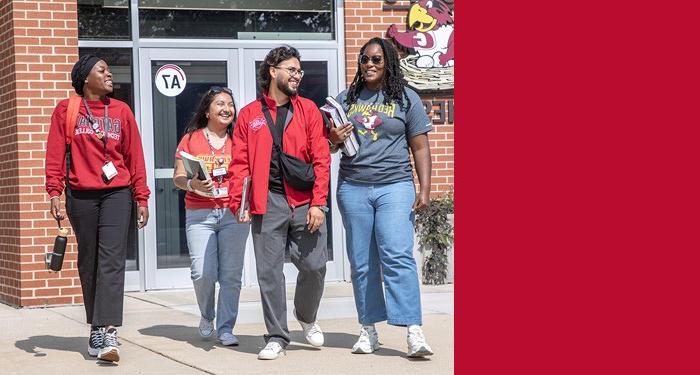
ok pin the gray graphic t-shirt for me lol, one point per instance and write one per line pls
(382, 132)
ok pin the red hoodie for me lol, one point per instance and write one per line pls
(87, 151)
(304, 137)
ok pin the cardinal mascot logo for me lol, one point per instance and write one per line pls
(430, 33)
(429, 39)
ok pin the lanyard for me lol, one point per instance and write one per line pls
(101, 134)
(220, 161)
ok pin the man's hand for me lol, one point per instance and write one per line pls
(55, 208)
(142, 216)
(314, 218)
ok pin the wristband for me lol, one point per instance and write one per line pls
(189, 185)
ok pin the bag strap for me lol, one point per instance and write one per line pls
(271, 124)
(72, 117)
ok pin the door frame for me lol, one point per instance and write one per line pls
(240, 69)
(175, 277)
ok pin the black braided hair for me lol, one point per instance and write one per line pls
(393, 81)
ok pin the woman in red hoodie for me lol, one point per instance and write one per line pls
(106, 175)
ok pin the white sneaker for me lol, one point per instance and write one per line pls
(206, 327)
(312, 332)
(417, 347)
(271, 351)
(110, 350)
(368, 341)
(228, 339)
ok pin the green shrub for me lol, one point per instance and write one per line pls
(436, 236)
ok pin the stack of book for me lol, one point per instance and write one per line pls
(334, 116)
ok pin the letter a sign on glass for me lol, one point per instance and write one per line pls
(170, 80)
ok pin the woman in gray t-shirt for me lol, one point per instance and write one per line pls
(377, 197)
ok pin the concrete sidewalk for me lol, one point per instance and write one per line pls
(160, 336)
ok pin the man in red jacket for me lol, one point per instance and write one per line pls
(285, 215)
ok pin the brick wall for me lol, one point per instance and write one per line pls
(366, 19)
(45, 48)
(9, 197)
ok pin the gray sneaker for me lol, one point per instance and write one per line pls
(228, 339)
(206, 327)
(110, 348)
(95, 342)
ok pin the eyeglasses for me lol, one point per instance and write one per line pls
(292, 71)
(218, 89)
(376, 59)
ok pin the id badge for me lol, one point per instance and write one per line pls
(219, 172)
(109, 170)
(221, 192)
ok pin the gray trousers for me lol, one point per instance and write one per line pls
(285, 228)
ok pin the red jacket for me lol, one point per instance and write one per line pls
(87, 151)
(304, 137)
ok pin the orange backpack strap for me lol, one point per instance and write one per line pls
(72, 117)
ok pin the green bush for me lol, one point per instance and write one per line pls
(436, 236)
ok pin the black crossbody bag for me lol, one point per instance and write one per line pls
(298, 173)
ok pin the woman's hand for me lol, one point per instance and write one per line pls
(243, 219)
(338, 135)
(55, 208)
(422, 200)
(202, 185)
(142, 216)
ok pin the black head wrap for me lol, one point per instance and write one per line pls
(81, 70)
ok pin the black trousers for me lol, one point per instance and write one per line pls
(100, 219)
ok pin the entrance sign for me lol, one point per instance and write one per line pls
(170, 80)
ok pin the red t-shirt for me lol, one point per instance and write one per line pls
(196, 145)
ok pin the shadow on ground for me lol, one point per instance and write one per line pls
(37, 344)
(253, 344)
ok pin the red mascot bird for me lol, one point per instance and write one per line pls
(430, 34)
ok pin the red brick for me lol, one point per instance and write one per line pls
(71, 291)
(47, 292)
(52, 6)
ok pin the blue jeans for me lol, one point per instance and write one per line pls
(217, 246)
(378, 222)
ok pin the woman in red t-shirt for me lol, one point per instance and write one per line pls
(215, 240)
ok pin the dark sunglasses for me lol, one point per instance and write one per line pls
(218, 89)
(376, 59)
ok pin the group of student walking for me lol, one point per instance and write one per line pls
(280, 142)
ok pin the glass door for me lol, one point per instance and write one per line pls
(173, 81)
(320, 80)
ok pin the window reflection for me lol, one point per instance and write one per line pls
(104, 19)
(236, 19)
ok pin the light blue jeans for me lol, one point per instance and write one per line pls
(378, 222)
(217, 246)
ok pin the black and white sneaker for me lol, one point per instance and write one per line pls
(95, 342)
(110, 346)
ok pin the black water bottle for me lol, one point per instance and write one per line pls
(59, 248)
